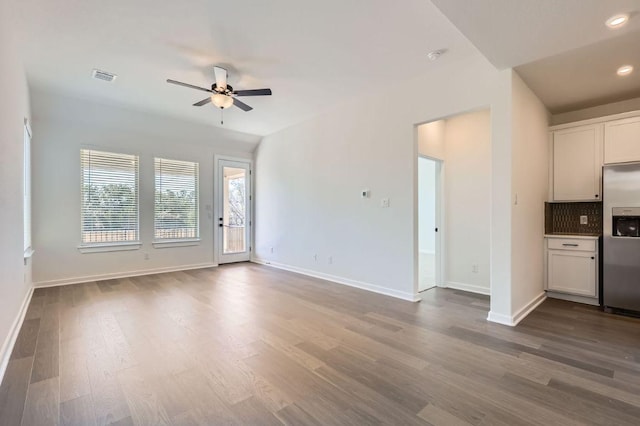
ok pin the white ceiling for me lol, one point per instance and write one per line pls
(561, 48)
(514, 32)
(311, 54)
(586, 76)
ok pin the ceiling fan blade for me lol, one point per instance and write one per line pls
(191, 86)
(203, 102)
(241, 105)
(221, 77)
(254, 92)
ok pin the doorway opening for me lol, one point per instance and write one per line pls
(453, 195)
(429, 208)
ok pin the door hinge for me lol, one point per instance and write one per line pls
(250, 248)
(250, 197)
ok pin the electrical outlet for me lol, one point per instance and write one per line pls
(475, 269)
(330, 260)
(584, 220)
(146, 256)
(271, 250)
(315, 257)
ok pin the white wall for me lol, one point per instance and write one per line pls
(517, 253)
(62, 125)
(463, 142)
(467, 200)
(15, 279)
(501, 197)
(309, 176)
(431, 139)
(530, 181)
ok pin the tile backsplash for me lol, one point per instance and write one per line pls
(564, 218)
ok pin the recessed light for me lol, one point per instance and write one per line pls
(617, 21)
(625, 70)
(435, 55)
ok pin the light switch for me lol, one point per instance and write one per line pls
(384, 202)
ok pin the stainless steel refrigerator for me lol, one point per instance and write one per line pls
(621, 236)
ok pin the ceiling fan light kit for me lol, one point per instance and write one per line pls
(221, 100)
(223, 96)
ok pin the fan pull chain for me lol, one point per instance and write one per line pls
(222, 116)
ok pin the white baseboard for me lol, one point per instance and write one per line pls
(500, 318)
(10, 341)
(100, 277)
(521, 314)
(468, 287)
(529, 307)
(574, 298)
(340, 280)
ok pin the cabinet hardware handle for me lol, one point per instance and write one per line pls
(592, 257)
(597, 196)
(570, 245)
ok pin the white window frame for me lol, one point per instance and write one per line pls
(26, 186)
(176, 242)
(93, 247)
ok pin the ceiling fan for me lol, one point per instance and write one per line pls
(223, 96)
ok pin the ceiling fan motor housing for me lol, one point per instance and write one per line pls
(228, 91)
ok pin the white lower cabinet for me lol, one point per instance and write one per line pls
(572, 269)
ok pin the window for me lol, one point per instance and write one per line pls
(176, 200)
(109, 197)
(26, 201)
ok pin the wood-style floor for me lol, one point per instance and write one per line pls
(246, 344)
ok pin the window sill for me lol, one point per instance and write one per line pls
(102, 248)
(176, 243)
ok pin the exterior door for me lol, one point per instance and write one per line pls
(234, 211)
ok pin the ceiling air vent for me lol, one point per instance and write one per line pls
(103, 75)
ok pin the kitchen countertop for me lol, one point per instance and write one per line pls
(573, 236)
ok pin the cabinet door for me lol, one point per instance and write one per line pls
(622, 140)
(572, 272)
(577, 163)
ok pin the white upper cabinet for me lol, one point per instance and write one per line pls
(577, 163)
(622, 140)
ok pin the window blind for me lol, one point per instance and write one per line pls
(109, 197)
(176, 199)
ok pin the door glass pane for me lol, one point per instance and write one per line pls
(234, 214)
